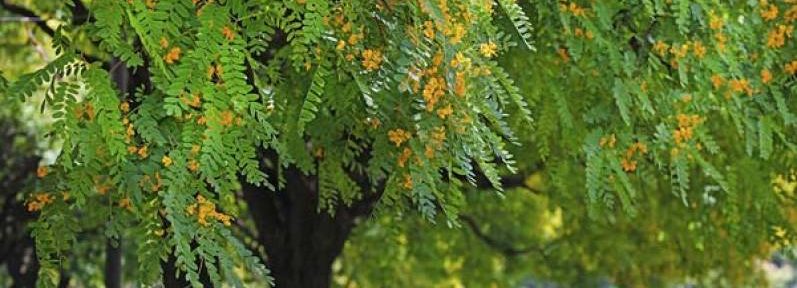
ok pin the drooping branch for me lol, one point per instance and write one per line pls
(505, 248)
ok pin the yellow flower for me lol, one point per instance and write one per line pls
(769, 13)
(398, 136)
(143, 152)
(164, 43)
(166, 160)
(372, 59)
(445, 112)
(125, 107)
(488, 49)
(608, 141)
(700, 50)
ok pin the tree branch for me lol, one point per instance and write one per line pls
(505, 248)
(25, 12)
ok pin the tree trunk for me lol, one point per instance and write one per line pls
(113, 264)
(300, 241)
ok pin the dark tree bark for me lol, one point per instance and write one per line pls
(113, 264)
(301, 242)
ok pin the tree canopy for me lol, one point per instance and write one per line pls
(645, 142)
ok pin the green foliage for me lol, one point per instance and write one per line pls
(640, 110)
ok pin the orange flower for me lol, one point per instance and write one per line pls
(628, 165)
(226, 118)
(41, 171)
(398, 136)
(717, 81)
(563, 54)
(741, 85)
(445, 112)
(433, 91)
(661, 48)
(428, 30)
(405, 155)
(143, 152)
(766, 76)
(715, 23)
(407, 182)
(372, 59)
(769, 13)
(193, 165)
(776, 38)
(228, 33)
(173, 55)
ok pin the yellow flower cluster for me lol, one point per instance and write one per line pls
(776, 38)
(608, 141)
(488, 49)
(768, 11)
(206, 210)
(791, 67)
(578, 32)
(172, 56)
(438, 136)
(686, 125)
(166, 160)
(741, 85)
(194, 101)
(405, 155)
(573, 8)
(372, 59)
(433, 91)
(628, 162)
(39, 201)
(398, 136)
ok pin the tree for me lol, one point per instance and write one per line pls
(193, 130)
